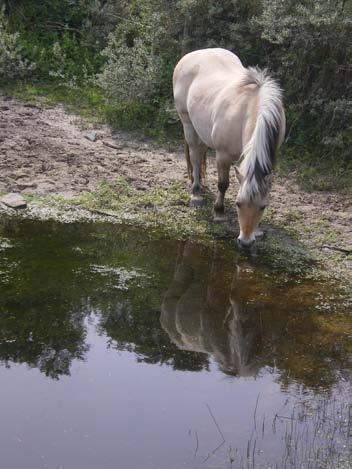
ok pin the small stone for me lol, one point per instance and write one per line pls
(28, 191)
(151, 207)
(45, 187)
(14, 200)
(259, 233)
(21, 185)
(92, 136)
(20, 174)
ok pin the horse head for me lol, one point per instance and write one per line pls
(250, 205)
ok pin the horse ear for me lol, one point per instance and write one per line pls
(239, 176)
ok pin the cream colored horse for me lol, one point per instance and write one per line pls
(199, 319)
(238, 112)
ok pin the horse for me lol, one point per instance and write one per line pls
(239, 113)
(199, 319)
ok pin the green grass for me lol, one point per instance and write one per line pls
(158, 208)
(315, 174)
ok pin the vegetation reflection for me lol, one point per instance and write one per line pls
(172, 303)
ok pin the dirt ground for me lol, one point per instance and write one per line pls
(46, 151)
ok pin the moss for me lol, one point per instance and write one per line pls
(284, 253)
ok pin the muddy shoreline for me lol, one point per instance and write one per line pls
(52, 157)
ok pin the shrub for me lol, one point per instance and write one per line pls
(133, 66)
(13, 63)
(308, 45)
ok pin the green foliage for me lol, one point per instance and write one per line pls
(133, 67)
(13, 63)
(308, 45)
(63, 37)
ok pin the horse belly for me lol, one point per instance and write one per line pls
(201, 105)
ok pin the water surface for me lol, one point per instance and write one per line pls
(119, 349)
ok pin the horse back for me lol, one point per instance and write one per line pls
(205, 68)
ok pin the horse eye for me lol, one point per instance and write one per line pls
(238, 204)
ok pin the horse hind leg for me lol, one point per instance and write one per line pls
(195, 151)
(223, 163)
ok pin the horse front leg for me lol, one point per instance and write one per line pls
(223, 163)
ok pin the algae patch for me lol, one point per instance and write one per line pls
(158, 208)
(5, 244)
(121, 278)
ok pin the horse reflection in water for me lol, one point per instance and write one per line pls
(205, 310)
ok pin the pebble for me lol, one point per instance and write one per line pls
(21, 185)
(14, 200)
(92, 136)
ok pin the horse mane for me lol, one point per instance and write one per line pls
(259, 155)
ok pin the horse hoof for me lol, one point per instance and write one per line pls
(259, 233)
(219, 216)
(219, 210)
(197, 201)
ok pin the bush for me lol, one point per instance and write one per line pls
(308, 44)
(64, 37)
(13, 63)
(133, 66)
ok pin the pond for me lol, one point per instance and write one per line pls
(123, 349)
